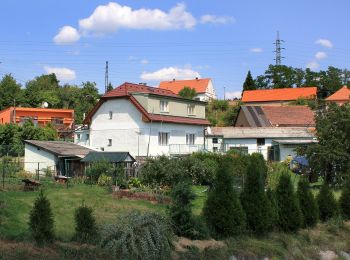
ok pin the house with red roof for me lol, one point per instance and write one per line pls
(340, 97)
(279, 96)
(145, 121)
(204, 87)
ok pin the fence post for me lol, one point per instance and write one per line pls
(3, 175)
(38, 170)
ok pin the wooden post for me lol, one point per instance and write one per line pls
(38, 171)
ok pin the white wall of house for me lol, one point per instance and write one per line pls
(34, 156)
(209, 94)
(82, 137)
(126, 131)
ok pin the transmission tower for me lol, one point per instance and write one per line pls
(106, 77)
(278, 49)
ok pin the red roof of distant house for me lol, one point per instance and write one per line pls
(342, 94)
(280, 94)
(289, 115)
(200, 85)
(125, 90)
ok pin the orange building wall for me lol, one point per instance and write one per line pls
(44, 115)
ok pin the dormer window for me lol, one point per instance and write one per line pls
(190, 109)
(164, 106)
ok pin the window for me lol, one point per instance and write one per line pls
(215, 149)
(190, 109)
(57, 120)
(110, 114)
(190, 138)
(240, 149)
(164, 106)
(109, 142)
(163, 138)
(215, 140)
(260, 141)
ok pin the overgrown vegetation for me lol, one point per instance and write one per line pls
(222, 112)
(344, 200)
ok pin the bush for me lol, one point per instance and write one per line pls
(308, 204)
(344, 200)
(97, 168)
(104, 180)
(85, 225)
(138, 236)
(222, 210)
(135, 182)
(271, 195)
(253, 198)
(201, 171)
(41, 220)
(327, 203)
(289, 214)
(180, 211)
(274, 173)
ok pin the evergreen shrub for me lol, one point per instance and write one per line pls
(344, 200)
(85, 225)
(327, 204)
(308, 204)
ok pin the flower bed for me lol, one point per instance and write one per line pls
(141, 195)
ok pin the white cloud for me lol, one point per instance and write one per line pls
(109, 18)
(256, 50)
(313, 65)
(233, 95)
(325, 43)
(208, 18)
(62, 73)
(320, 55)
(67, 35)
(170, 73)
(113, 16)
(144, 61)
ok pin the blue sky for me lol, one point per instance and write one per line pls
(149, 41)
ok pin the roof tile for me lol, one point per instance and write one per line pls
(342, 94)
(200, 85)
(280, 94)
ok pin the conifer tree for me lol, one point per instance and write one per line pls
(271, 195)
(222, 210)
(85, 224)
(344, 200)
(249, 83)
(289, 214)
(41, 220)
(327, 203)
(308, 204)
(254, 199)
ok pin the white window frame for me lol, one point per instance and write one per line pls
(191, 109)
(110, 115)
(110, 142)
(190, 138)
(163, 138)
(164, 106)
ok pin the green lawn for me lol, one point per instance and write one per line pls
(17, 205)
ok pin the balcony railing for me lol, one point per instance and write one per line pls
(181, 149)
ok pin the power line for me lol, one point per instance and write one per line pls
(278, 49)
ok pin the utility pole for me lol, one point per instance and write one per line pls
(278, 49)
(106, 77)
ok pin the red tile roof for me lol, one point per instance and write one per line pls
(289, 115)
(200, 85)
(280, 94)
(125, 90)
(342, 94)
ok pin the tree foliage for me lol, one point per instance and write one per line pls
(222, 113)
(249, 83)
(327, 204)
(138, 235)
(308, 204)
(10, 92)
(330, 157)
(222, 210)
(259, 215)
(289, 214)
(85, 224)
(41, 220)
(344, 200)
(188, 92)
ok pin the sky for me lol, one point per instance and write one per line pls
(155, 40)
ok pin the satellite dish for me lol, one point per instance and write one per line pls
(45, 105)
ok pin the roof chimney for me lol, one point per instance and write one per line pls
(173, 79)
(196, 78)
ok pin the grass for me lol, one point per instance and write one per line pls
(17, 205)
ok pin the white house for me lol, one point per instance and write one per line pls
(204, 87)
(274, 143)
(144, 121)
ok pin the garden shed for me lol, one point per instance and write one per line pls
(111, 157)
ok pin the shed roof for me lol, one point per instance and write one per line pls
(279, 94)
(60, 148)
(114, 157)
(261, 132)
